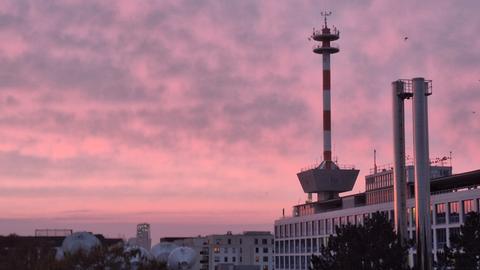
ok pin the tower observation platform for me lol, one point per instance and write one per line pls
(327, 179)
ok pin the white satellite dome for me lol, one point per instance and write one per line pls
(161, 251)
(77, 241)
(181, 258)
(143, 254)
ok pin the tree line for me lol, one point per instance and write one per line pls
(38, 256)
(376, 246)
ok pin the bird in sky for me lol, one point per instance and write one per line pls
(405, 38)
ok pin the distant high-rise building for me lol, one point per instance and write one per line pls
(143, 238)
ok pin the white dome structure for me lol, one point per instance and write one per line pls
(161, 251)
(142, 255)
(77, 241)
(181, 258)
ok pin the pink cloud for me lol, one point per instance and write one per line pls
(206, 111)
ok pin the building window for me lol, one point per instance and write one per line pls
(225, 250)
(216, 259)
(409, 213)
(358, 219)
(453, 212)
(454, 231)
(467, 208)
(225, 259)
(328, 226)
(321, 227)
(365, 217)
(441, 238)
(256, 250)
(336, 222)
(264, 241)
(265, 258)
(309, 245)
(256, 241)
(281, 247)
(414, 216)
(265, 249)
(440, 213)
(216, 250)
(257, 259)
(229, 241)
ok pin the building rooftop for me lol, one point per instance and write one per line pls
(443, 184)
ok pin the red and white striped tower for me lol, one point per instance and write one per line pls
(327, 180)
(325, 36)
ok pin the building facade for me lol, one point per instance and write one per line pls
(301, 235)
(253, 249)
(143, 238)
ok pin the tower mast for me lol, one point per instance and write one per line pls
(325, 36)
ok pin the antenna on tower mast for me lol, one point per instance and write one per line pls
(325, 14)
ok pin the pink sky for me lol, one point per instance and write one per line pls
(195, 116)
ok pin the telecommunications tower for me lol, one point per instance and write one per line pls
(327, 179)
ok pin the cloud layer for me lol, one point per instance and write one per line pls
(205, 110)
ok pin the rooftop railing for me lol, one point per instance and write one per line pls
(334, 31)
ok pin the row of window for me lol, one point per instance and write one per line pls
(313, 245)
(320, 227)
(327, 226)
(226, 259)
(379, 196)
(257, 241)
(308, 245)
(292, 262)
(226, 250)
(451, 211)
(379, 181)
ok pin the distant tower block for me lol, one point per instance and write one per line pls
(327, 180)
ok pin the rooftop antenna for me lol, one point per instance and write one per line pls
(451, 161)
(375, 161)
(325, 14)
